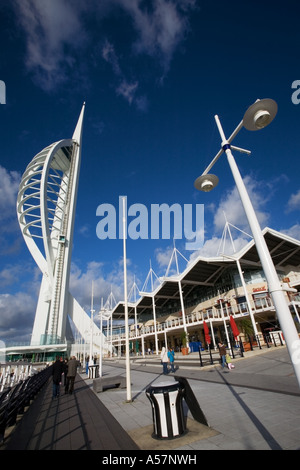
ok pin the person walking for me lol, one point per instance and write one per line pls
(57, 371)
(65, 370)
(66, 380)
(222, 352)
(164, 360)
(171, 356)
(71, 374)
(228, 362)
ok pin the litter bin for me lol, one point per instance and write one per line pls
(94, 371)
(167, 411)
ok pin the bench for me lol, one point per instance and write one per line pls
(106, 382)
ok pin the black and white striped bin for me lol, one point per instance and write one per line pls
(94, 371)
(167, 410)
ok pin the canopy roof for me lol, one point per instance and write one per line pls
(206, 272)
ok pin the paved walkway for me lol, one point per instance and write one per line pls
(71, 422)
(256, 406)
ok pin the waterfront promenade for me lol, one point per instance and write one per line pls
(256, 406)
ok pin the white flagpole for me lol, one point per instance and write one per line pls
(128, 379)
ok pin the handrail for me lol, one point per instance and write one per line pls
(14, 399)
(12, 374)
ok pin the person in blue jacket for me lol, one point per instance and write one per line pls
(171, 356)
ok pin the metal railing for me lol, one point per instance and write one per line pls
(14, 399)
(12, 374)
(210, 356)
(196, 318)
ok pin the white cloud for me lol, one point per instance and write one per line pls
(58, 38)
(84, 230)
(16, 316)
(163, 256)
(161, 27)
(127, 89)
(53, 34)
(9, 185)
(216, 246)
(16, 309)
(10, 237)
(9, 275)
(170, 260)
(103, 283)
(110, 56)
(231, 207)
(293, 231)
(231, 211)
(294, 202)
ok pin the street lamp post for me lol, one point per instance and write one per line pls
(258, 116)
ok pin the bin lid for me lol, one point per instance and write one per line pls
(164, 384)
(161, 387)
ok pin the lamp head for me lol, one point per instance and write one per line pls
(206, 182)
(260, 114)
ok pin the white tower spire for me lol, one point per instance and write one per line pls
(46, 212)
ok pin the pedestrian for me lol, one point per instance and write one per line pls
(57, 371)
(164, 360)
(228, 362)
(71, 374)
(171, 356)
(222, 352)
(65, 370)
(66, 380)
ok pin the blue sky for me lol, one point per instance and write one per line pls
(153, 74)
